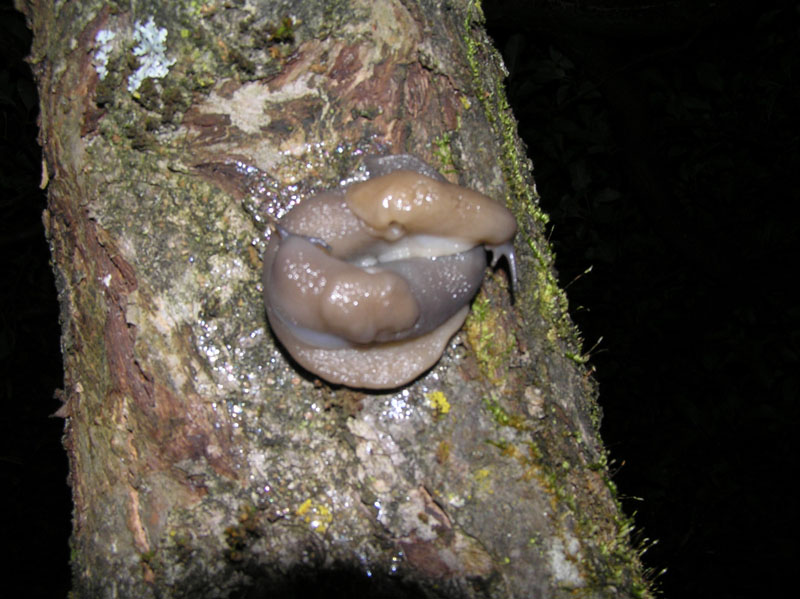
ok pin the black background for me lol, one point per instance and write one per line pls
(666, 154)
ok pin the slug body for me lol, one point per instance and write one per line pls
(365, 286)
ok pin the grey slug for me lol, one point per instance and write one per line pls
(364, 286)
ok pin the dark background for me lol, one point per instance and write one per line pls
(665, 146)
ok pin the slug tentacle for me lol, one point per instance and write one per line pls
(365, 286)
(505, 250)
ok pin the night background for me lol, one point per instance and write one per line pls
(666, 145)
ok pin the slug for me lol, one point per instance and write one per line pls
(364, 286)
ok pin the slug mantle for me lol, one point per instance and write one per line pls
(365, 286)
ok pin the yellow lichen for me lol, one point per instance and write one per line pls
(438, 402)
(483, 478)
(317, 515)
(304, 507)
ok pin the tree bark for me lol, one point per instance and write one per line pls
(204, 463)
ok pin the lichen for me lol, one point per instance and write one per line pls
(103, 39)
(315, 514)
(151, 50)
(438, 402)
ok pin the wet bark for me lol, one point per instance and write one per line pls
(204, 463)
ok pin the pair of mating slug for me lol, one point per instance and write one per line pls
(365, 286)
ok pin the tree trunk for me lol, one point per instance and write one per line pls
(204, 462)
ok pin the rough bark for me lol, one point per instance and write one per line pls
(203, 462)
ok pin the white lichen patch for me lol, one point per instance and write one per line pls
(103, 40)
(246, 106)
(151, 50)
(563, 560)
(251, 109)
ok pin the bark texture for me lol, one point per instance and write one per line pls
(203, 462)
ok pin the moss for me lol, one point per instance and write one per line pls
(543, 290)
(618, 565)
(491, 338)
(502, 417)
(443, 153)
(608, 557)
